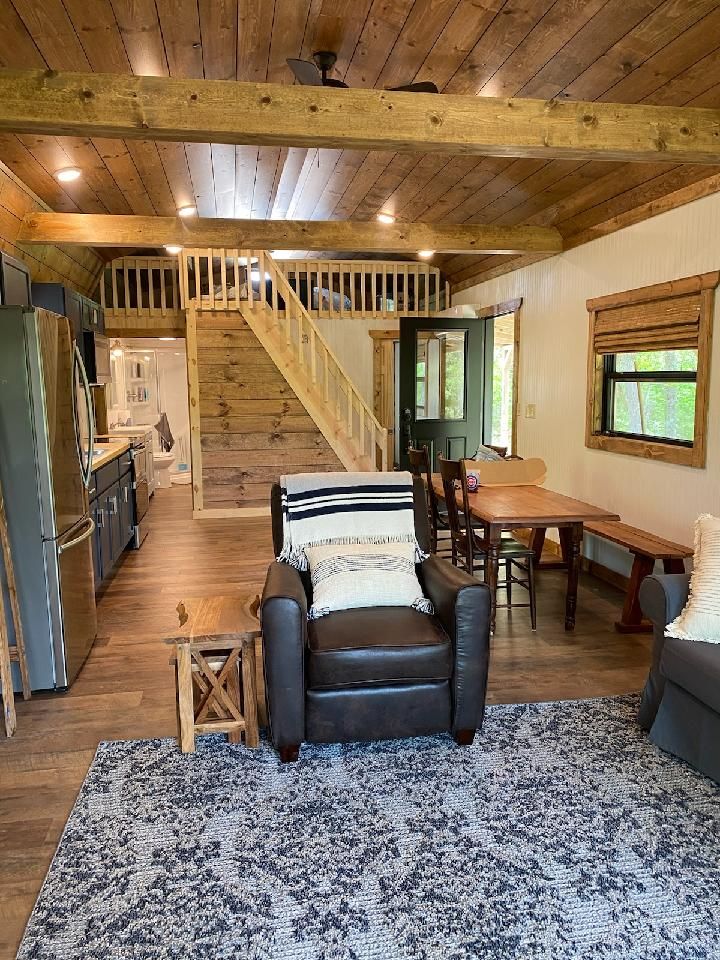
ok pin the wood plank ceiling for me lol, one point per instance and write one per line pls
(627, 51)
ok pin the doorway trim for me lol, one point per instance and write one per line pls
(502, 310)
(384, 377)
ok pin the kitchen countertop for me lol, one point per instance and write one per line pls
(109, 450)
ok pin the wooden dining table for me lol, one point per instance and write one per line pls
(534, 508)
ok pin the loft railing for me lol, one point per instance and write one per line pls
(354, 288)
(141, 292)
(250, 281)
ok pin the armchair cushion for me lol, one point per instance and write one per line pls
(694, 666)
(376, 645)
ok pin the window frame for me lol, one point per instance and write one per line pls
(601, 374)
(611, 377)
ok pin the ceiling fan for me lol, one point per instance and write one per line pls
(314, 73)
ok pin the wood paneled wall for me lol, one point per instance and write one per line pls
(251, 426)
(78, 267)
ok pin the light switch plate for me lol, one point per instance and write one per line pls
(530, 411)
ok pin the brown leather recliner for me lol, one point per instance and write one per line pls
(379, 672)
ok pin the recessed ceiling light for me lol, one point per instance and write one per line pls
(173, 248)
(187, 211)
(167, 338)
(386, 218)
(426, 254)
(68, 174)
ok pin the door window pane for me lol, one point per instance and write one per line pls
(502, 382)
(440, 375)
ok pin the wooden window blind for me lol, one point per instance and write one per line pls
(666, 316)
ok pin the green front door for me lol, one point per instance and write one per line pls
(445, 386)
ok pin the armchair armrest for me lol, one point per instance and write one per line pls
(662, 599)
(283, 616)
(462, 605)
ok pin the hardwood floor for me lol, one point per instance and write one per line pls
(125, 689)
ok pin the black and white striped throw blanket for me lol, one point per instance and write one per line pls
(344, 508)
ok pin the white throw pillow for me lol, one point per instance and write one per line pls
(700, 619)
(347, 576)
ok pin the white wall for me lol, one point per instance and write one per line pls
(352, 344)
(660, 497)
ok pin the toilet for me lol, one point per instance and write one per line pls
(162, 463)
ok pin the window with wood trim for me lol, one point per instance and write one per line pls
(648, 370)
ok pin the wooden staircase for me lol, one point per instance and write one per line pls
(251, 283)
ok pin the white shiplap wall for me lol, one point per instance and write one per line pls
(660, 497)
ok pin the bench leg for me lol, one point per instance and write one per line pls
(631, 620)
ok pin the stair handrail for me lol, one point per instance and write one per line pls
(367, 416)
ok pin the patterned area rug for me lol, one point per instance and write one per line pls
(562, 833)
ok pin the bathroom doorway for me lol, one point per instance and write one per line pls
(148, 391)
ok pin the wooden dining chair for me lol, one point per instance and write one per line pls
(470, 547)
(437, 518)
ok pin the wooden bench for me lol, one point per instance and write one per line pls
(646, 549)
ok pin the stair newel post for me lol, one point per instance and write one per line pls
(384, 449)
(373, 444)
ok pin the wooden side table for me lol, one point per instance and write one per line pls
(215, 667)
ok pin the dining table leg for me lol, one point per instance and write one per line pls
(494, 535)
(571, 540)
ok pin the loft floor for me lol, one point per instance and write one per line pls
(126, 691)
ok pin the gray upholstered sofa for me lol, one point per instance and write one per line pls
(681, 700)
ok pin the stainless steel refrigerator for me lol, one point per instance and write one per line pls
(46, 443)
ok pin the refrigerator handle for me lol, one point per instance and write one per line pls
(83, 536)
(86, 469)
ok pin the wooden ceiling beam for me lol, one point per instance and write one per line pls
(219, 111)
(104, 230)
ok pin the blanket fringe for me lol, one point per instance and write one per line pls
(298, 558)
(423, 605)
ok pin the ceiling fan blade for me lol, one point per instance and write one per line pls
(424, 86)
(305, 72)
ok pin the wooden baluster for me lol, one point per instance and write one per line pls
(211, 279)
(103, 280)
(151, 292)
(361, 428)
(248, 276)
(373, 444)
(113, 269)
(301, 346)
(274, 281)
(262, 296)
(138, 290)
(384, 450)
(363, 276)
(327, 375)
(223, 280)
(313, 358)
(196, 274)
(163, 291)
(373, 290)
(349, 389)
